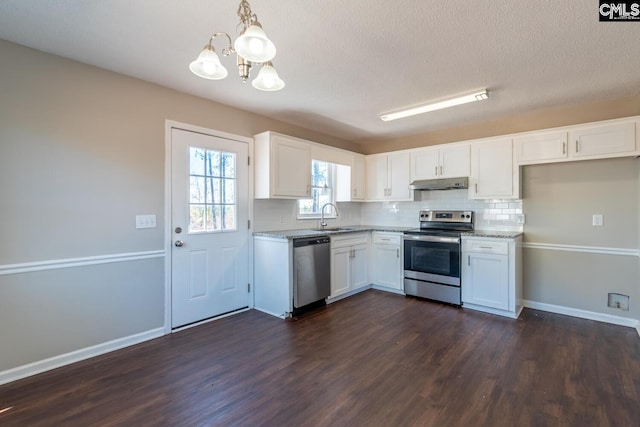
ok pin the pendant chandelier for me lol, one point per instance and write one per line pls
(251, 47)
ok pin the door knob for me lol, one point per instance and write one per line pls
(179, 243)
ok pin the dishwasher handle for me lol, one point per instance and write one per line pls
(309, 241)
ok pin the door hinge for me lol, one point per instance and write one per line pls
(249, 287)
(249, 224)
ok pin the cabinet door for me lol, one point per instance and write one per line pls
(359, 266)
(485, 280)
(399, 177)
(540, 147)
(376, 172)
(291, 168)
(340, 270)
(454, 162)
(387, 266)
(358, 178)
(603, 140)
(492, 170)
(424, 164)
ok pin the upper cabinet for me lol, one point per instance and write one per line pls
(577, 143)
(540, 147)
(493, 172)
(282, 167)
(388, 177)
(600, 141)
(358, 178)
(443, 162)
(351, 180)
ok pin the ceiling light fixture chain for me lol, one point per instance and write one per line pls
(247, 17)
(251, 46)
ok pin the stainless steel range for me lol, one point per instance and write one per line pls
(432, 255)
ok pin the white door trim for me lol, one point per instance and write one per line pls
(169, 125)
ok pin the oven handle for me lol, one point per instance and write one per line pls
(437, 239)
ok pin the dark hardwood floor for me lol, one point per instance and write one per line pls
(374, 359)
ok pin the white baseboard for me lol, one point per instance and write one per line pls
(584, 314)
(386, 289)
(348, 294)
(76, 356)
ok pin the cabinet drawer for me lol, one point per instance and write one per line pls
(486, 246)
(387, 239)
(349, 240)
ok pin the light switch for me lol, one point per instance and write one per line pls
(598, 220)
(145, 221)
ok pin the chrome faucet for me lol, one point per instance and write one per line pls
(323, 223)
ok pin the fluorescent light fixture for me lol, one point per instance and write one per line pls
(478, 95)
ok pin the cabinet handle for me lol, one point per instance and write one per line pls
(564, 148)
(440, 170)
(486, 247)
(476, 188)
(435, 170)
(577, 145)
(397, 253)
(469, 260)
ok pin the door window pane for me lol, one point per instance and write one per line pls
(212, 193)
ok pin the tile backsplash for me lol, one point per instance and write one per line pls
(494, 214)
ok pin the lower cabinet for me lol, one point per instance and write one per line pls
(386, 261)
(349, 263)
(273, 275)
(492, 275)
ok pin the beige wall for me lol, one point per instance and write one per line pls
(81, 153)
(540, 119)
(559, 201)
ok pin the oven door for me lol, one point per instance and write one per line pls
(433, 259)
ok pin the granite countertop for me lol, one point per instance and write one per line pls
(493, 234)
(294, 234)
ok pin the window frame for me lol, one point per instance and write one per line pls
(331, 184)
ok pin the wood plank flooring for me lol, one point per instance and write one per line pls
(374, 359)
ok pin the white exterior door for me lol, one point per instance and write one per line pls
(210, 213)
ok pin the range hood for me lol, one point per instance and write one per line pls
(440, 184)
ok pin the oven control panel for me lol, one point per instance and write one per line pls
(446, 216)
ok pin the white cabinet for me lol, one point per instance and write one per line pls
(492, 275)
(493, 172)
(273, 275)
(386, 261)
(576, 143)
(388, 177)
(444, 162)
(602, 141)
(282, 167)
(358, 178)
(351, 180)
(540, 147)
(349, 263)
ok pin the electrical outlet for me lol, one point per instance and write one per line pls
(598, 220)
(520, 219)
(619, 301)
(145, 221)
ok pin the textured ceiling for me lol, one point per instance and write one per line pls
(345, 62)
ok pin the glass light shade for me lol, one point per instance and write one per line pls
(268, 79)
(253, 45)
(208, 65)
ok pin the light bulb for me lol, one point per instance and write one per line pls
(208, 67)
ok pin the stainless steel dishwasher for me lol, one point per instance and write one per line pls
(311, 271)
